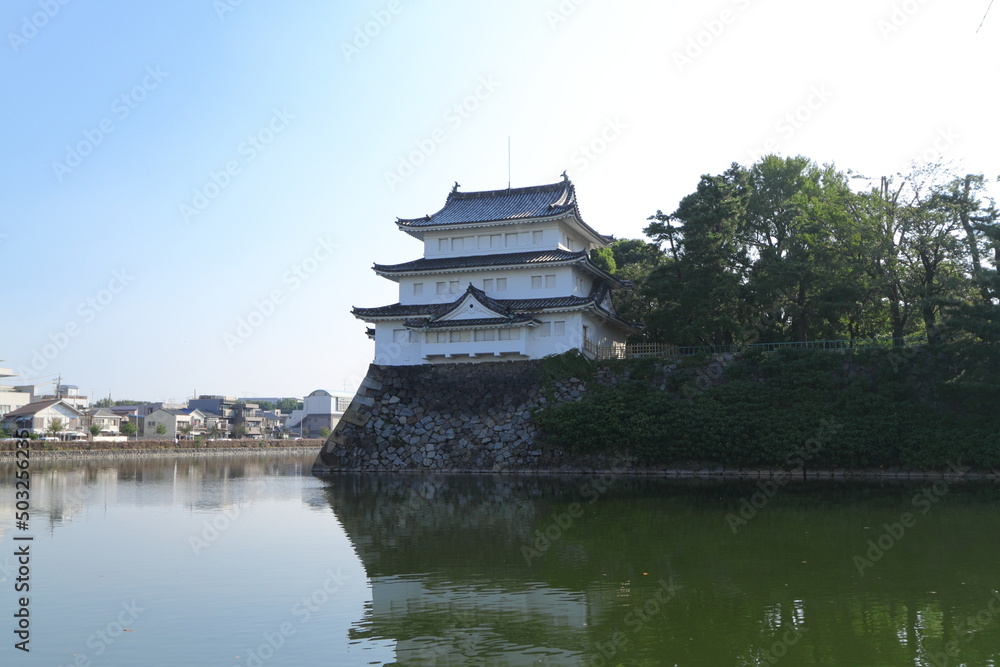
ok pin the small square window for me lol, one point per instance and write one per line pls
(536, 282)
(550, 281)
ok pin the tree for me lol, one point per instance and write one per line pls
(55, 426)
(128, 429)
(161, 429)
(697, 295)
(289, 404)
(239, 431)
(214, 431)
(324, 432)
(186, 430)
(95, 430)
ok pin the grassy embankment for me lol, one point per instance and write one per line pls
(893, 408)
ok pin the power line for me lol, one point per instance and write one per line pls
(984, 16)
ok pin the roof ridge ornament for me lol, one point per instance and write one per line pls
(455, 187)
(564, 176)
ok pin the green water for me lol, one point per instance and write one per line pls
(254, 562)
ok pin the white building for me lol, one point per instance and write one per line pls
(39, 417)
(320, 409)
(505, 274)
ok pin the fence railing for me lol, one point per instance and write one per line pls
(667, 351)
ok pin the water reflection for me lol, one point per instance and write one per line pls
(650, 572)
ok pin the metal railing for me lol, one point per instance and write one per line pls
(667, 351)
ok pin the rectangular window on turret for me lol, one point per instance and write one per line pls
(437, 336)
(487, 284)
(536, 282)
(550, 281)
(559, 328)
(509, 334)
(545, 329)
(512, 240)
(486, 334)
(443, 245)
(536, 238)
(459, 337)
(442, 287)
(501, 284)
(453, 286)
(418, 289)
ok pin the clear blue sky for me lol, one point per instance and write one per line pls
(172, 168)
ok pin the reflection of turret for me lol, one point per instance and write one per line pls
(448, 576)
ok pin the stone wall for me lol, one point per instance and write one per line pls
(446, 417)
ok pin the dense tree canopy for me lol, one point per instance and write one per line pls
(787, 250)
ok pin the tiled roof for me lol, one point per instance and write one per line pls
(434, 310)
(426, 323)
(33, 408)
(470, 261)
(538, 201)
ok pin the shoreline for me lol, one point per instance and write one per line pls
(703, 473)
(162, 453)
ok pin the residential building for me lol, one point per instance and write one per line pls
(108, 421)
(320, 410)
(505, 274)
(183, 423)
(40, 416)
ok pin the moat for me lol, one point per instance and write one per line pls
(252, 561)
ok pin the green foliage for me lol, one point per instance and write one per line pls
(128, 429)
(789, 409)
(556, 367)
(55, 426)
(324, 432)
(161, 429)
(95, 430)
(604, 258)
(786, 250)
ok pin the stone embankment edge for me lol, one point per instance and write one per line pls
(95, 454)
(439, 413)
(704, 474)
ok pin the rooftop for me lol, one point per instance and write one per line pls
(511, 204)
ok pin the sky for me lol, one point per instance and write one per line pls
(194, 191)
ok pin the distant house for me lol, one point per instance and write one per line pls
(320, 410)
(109, 422)
(176, 423)
(39, 417)
(12, 398)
